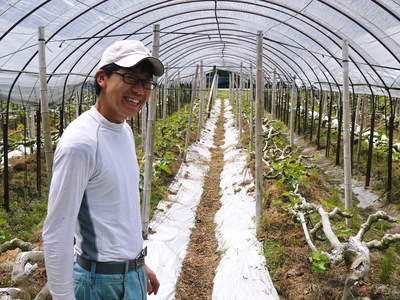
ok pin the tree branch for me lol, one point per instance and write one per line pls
(379, 215)
(385, 242)
(16, 243)
(23, 269)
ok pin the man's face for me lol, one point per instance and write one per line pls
(121, 97)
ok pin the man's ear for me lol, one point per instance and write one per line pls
(100, 78)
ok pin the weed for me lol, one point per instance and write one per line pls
(356, 220)
(222, 251)
(387, 266)
(382, 226)
(265, 222)
(319, 261)
(296, 243)
(274, 255)
(209, 225)
(336, 196)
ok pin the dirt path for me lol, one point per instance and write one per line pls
(202, 258)
(365, 198)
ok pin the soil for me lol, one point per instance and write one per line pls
(202, 258)
(291, 267)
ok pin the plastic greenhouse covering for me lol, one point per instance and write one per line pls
(302, 38)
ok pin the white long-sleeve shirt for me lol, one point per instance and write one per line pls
(94, 197)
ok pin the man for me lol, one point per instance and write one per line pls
(94, 194)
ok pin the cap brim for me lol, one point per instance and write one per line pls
(130, 61)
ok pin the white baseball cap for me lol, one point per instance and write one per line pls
(128, 53)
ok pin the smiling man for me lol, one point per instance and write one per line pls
(94, 192)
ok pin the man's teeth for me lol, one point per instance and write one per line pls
(134, 101)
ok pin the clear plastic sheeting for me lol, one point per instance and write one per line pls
(242, 273)
(174, 219)
(302, 38)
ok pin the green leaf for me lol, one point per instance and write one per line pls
(165, 168)
(328, 203)
(276, 201)
(398, 221)
(344, 231)
(3, 221)
(319, 261)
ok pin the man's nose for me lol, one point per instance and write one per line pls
(138, 89)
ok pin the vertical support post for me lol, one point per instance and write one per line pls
(144, 126)
(6, 203)
(273, 110)
(389, 185)
(148, 168)
(363, 109)
(325, 102)
(236, 82)
(190, 112)
(230, 87)
(201, 94)
(292, 112)
(77, 97)
(251, 107)
(31, 123)
(346, 130)
(371, 140)
(357, 113)
(178, 84)
(44, 102)
(240, 101)
(165, 94)
(259, 133)
(38, 154)
(215, 85)
(211, 94)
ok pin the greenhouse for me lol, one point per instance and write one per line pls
(225, 149)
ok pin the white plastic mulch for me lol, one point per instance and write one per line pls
(242, 273)
(19, 151)
(175, 217)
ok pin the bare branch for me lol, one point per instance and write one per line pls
(335, 211)
(385, 242)
(16, 243)
(44, 292)
(306, 232)
(326, 226)
(315, 229)
(12, 293)
(23, 269)
(379, 215)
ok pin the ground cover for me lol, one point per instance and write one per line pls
(202, 257)
(288, 256)
(378, 180)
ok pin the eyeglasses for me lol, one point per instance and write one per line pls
(132, 80)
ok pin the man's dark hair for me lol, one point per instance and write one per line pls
(110, 68)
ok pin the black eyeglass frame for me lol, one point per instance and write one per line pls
(132, 80)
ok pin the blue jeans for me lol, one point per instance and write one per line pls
(92, 286)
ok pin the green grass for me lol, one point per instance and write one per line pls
(274, 255)
(265, 222)
(387, 266)
(20, 222)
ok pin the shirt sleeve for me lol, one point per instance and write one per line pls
(71, 172)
